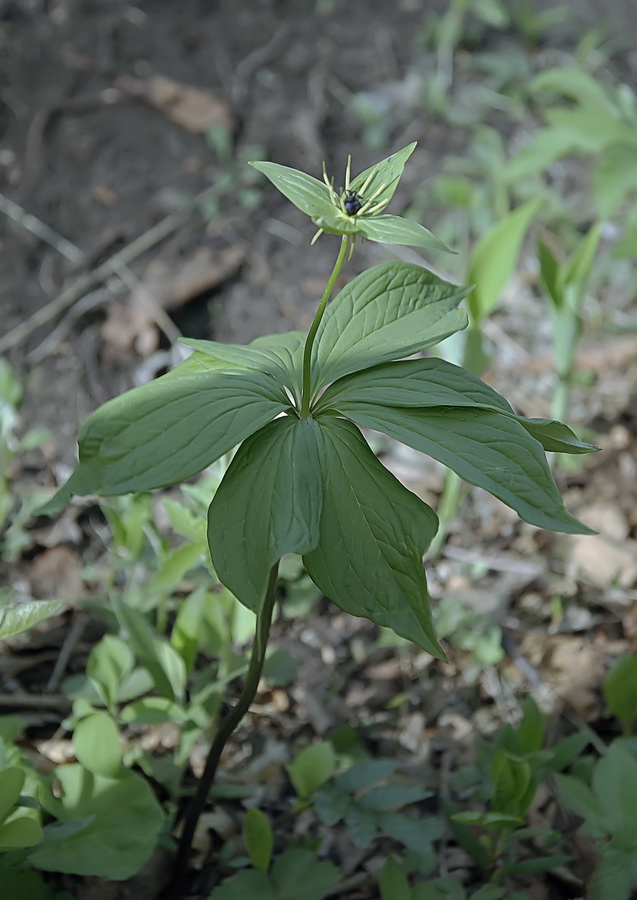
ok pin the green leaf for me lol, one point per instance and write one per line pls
(579, 798)
(392, 796)
(620, 689)
(383, 176)
(175, 563)
(21, 617)
(307, 193)
(97, 745)
(615, 176)
(615, 786)
(296, 875)
(574, 83)
(485, 448)
(567, 750)
(108, 664)
(495, 257)
(415, 383)
(25, 884)
(574, 276)
(277, 355)
(361, 825)
(11, 783)
(396, 230)
(413, 832)
(245, 886)
(530, 731)
(331, 803)
(613, 878)
(550, 273)
(268, 504)
(373, 535)
(152, 711)
(366, 774)
(487, 819)
(436, 382)
(167, 431)
(554, 436)
(165, 665)
(311, 768)
(123, 821)
(19, 833)
(258, 838)
(393, 883)
(389, 311)
(512, 785)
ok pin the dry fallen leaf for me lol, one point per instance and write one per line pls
(610, 556)
(56, 573)
(191, 108)
(166, 286)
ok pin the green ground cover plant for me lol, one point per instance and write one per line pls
(303, 478)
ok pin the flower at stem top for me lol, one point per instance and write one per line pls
(357, 209)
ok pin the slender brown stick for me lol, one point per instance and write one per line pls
(175, 888)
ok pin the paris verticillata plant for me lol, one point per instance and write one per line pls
(303, 478)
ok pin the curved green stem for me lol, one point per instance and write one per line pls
(346, 242)
(226, 728)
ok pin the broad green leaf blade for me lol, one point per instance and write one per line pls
(287, 347)
(396, 230)
(20, 617)
(381, 180)
(615, 785)
(123, 821)
(167, 431)
(433, 383)
(245, 886)
(495, 257)
(307, 193)
(19, 833)
(97, 745)
(415, 382)
(373, 535)
(615, 175)
(109, 663)
(296, 875)
(268, 504)
(392, 796)
(11, 783)
(579, 799)
(620, 690)
(311, 768)
(614, 877)
(576, 84)
(390, 311)
(393, 883)
(554, 436)
(258, 838)
(366, 774)
(488, 449)
(148, 648)
(278, 355)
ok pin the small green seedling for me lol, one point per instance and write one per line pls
(609, 810)
(565, 286)
(369, 804)
(394, 885)
(620, 691)
(304, 479)
(515, 763)
(295, 875)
